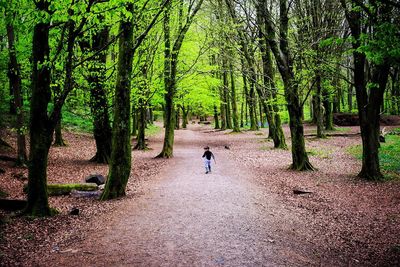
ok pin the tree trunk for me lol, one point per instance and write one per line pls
(171, 55)
(319, 107)
(252, 102)
(68, 81)
(185, 113)
(98, 99)
(225, 81)
(261, 111)
(15, 85)
(40, 132)
(369, 100)
(151, 116)
(134, 122)
(177, 119)
(141, 142)
(216, 120)
(328, 110)
(235, 116)
(169, 83)
(269, 94)
(223, 109)
(58, 139)
(120, 163)
(300, 159)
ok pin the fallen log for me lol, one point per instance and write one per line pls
(12, 204)
(65, 189)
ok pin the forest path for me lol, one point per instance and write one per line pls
(189, 218)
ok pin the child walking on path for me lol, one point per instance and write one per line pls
(207, 159)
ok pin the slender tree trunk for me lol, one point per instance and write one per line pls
(216, 120)
(178, 119)
(120, 163)
(14, 75)
(151, 116)
(300, 159)
(223, 109)
(58, 139)
(98, 99)
(242, 115)
(185, 113)
(328, 110)
(235, 116)
(252, 103)
(134, 122)
(319, 107)
(226, 90)
(171, 54)
(141, 142)
(68, 81)
(169, 82)
(268, 96)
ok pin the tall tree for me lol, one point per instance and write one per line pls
(41, 126)
(171, 54)
(284, 63)
(98, 96)
(268, 92)
(120, 164)
(14, 74)
(374, 49)
(43, 123)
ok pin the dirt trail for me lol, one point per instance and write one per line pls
(188, 218)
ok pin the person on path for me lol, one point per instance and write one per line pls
(207, 159)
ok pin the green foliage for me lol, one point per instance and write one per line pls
(321, 153)
(153, 129)
(77, 122)
(382, 45)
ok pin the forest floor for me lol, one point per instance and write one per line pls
(242, 214)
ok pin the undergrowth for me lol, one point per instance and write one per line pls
(153, 129)
(388, 155)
